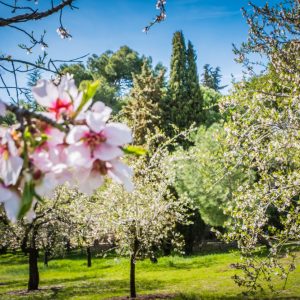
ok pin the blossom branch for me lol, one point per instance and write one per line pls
(25, 113)
(161, 6)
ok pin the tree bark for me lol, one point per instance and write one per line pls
(132, 277)
(33, 283)
(89, 257)
(46, 258)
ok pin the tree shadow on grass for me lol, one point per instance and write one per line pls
(13, 259)
(94, 288)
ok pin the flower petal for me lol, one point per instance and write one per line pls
(76, 133)
(121, 173)
(107, 152)
(95, 121)
(79, 156)
(41, 160)
(11, 201)
(10, 169)
(117, 134)
(46, 186)
(45, 92)
(30, 215)
(55, 136)
(92, 182)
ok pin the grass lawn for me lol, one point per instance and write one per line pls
(197, 277)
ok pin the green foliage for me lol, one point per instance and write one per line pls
(134, 150)
(89, 89)
(79, 72)
(211, 99)
(142, 111)
(113, 70)
(201, 174)
(108, 94)
(27, 198)
(116, 67)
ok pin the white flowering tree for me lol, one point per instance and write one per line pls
(140, 221)
(54, 223)
(263, 138)
(90, 226)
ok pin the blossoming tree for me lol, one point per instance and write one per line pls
(263, 138)
(141, 221)
(52, 226)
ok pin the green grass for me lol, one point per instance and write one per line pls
(197, 277)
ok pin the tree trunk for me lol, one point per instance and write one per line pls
(89, 257)
(132, 277)
(46, 258)
(33, 283)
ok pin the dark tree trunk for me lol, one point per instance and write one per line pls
(68, 246)
(89, 257)
(33, 283)
(46, 258)
(3, 250)
(132, 277)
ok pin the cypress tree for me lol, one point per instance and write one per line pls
(184, 104)
(194, 96)
(177, 84)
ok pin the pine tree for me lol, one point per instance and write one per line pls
(207, 77)
(195, 99)
(143, 112)
(212, 78)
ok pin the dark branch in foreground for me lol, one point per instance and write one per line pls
(22, 112)
(35, 15)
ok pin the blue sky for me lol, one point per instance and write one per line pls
(98, 25)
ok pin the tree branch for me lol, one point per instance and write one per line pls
(35, 15)
(27, 113)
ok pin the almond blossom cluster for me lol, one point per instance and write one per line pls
(78, 146)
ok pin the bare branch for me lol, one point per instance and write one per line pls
(35, 15)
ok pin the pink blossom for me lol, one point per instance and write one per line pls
(61, 100)
(11, 201)
(49, 162)
(10, 162)
(96, 147)
(120, 173)
(96, 140)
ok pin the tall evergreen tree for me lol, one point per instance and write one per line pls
(195, 99)
(184, 104)
(177, 85)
